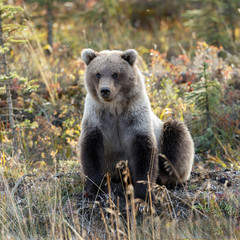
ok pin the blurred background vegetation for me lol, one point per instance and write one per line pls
(123, 24)
(188, 52)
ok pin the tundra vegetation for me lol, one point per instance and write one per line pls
(189, 55)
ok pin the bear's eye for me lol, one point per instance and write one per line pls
(98, 75)
(115, 76)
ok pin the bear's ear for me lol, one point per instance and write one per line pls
(130, 56)
(88, 55)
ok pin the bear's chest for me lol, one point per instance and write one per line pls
(114, 138)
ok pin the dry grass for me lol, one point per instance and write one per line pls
(52, 206)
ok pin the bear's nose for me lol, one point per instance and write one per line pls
(105, 92)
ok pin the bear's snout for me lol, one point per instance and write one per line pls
(105, 92)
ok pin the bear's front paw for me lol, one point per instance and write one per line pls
(93, 190)
(144, 207)
(168, 168)
(141, 191)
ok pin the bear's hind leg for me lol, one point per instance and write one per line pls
(176, 154)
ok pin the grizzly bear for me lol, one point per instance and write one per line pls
(118, 124)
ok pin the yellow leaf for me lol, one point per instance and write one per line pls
(68, 132)
(3, 159)
(47, 46)
(217, 160)
(237, 131)
(53, 153)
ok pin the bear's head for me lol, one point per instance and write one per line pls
(110, 75)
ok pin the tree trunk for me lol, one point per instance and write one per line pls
(208, 117)
(233, 34)
(7, 84)
(50, 24)
(8, 92)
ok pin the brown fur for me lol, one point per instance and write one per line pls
(176, 148)
(118, 124)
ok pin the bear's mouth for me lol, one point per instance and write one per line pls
(106, 99)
